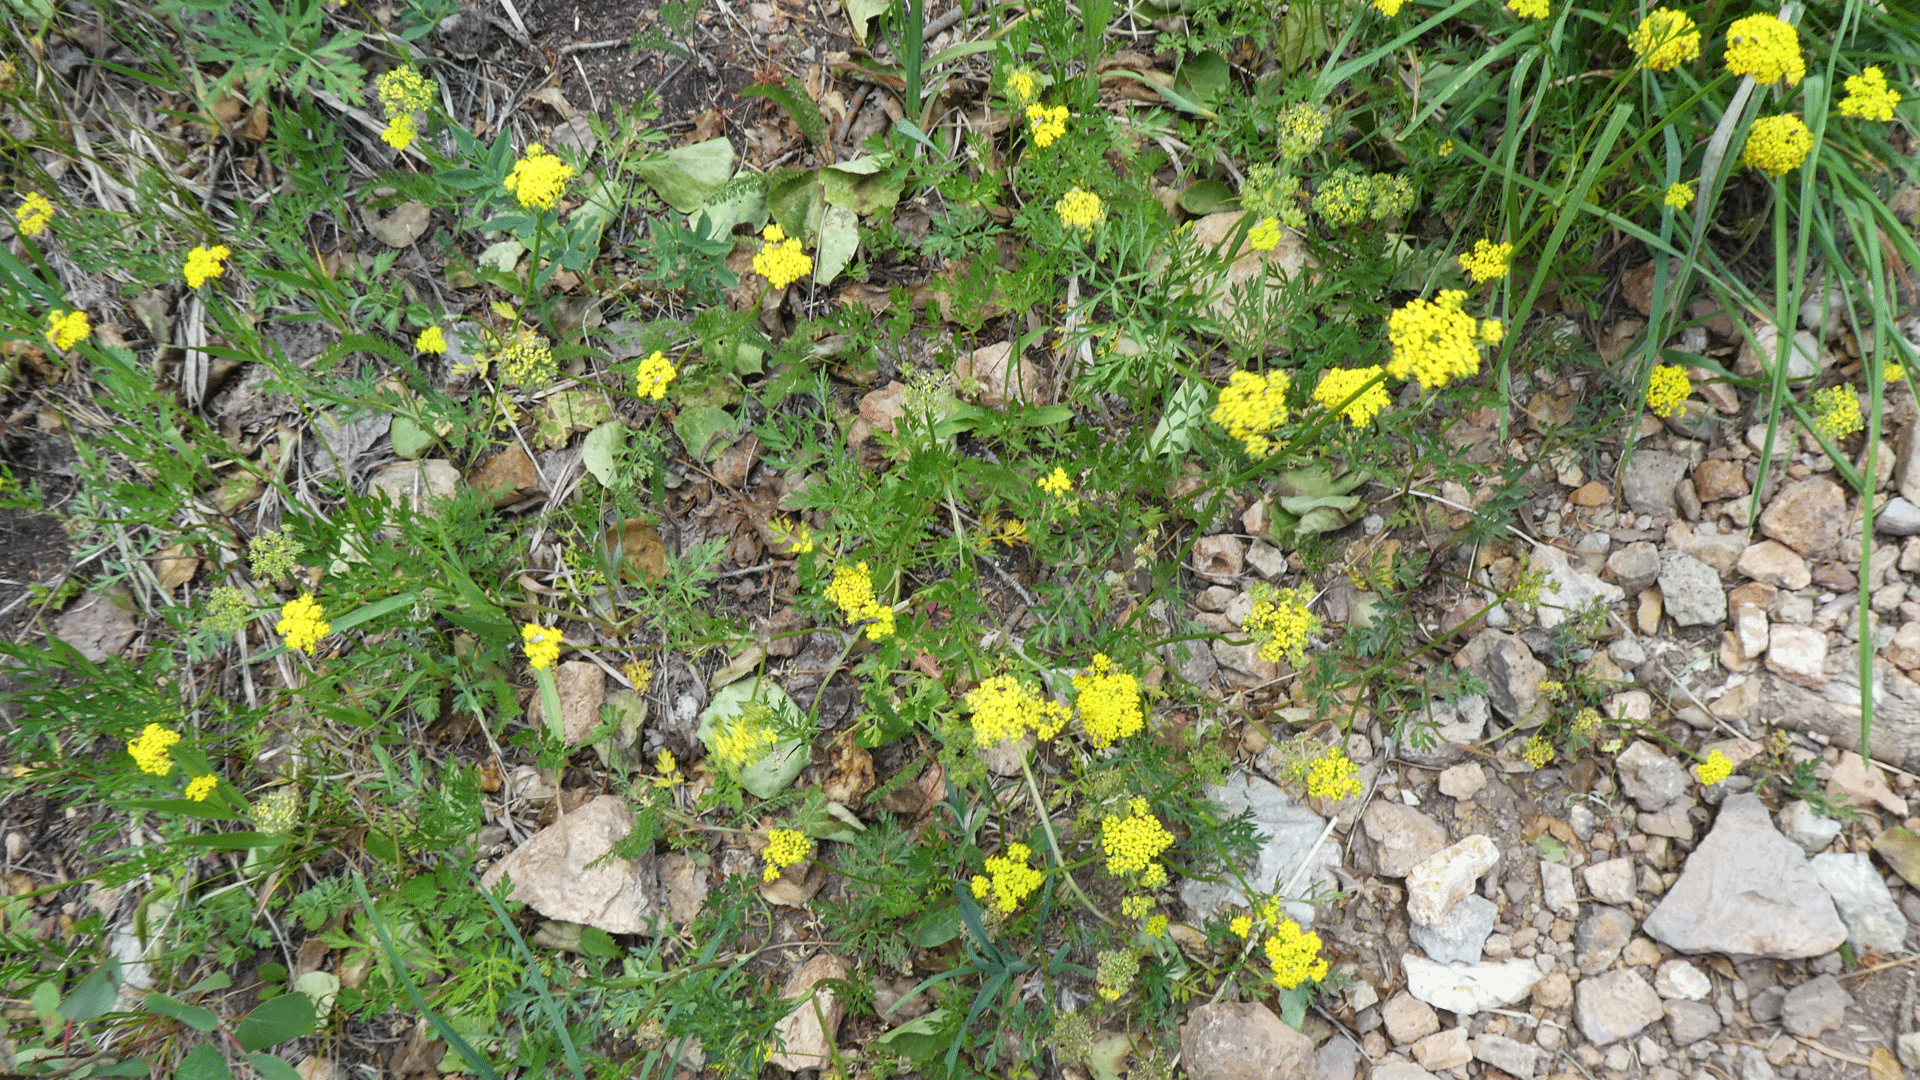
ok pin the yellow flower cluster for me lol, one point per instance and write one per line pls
(1294, 956)
(227, 610)
(1337, 385)
(542, 645)
(431, 340)
(797, 538)
(852, 591)
(785, 847)
(1766, 48)
(65, 329)
(277, 812)
(527, 361)
(204, 263)
(1586, 723)
(273, 556)
(1349, 197)
(1486, 261)
(1004, 709)
(1667, 390)
(402, 91)
(1114, 971)
(1264, 236)
(202, 786)
(782, 261)
(1836, 412)
(1678, 196)
(1332, 775)
(650, 379)
(1389, 8)
(1302, 126)
(1665, 39)
(1023, 87)
(1869, 97)
(302, 624)
(149, 750)
(1109, 702)
(745, 740)
(1537, 752)
(1056, 483)
(1715, 769)
(1008, 878)
(1892, 373)
(1776, 145)
(1080, 210)
(1529, 9)
(33, 214)
(1134, 842)
(1047, 125)
(1281, 623)
(1434, 341)
(1251, 407)
(538, 179)
(668, 768)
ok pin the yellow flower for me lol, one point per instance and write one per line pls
(1114, 971)
(65, 329)
(1132, 843)
(1667, 390)
(1302, 126)
(1294, 955)
(1537, 752)
(1046, 124)
(431, 340)
(1445, 149)
(541, 643)
(400, 132)
(274, 555)
(1332, 776)
(1156, 926)
(1715, 769)
(1836, 412)
(538, 179)
(1010, 879)
(1056, 483)
(1776, 145)
(277, 812)
(1023, 87)
(1109, 702)
(1389, 8)
(785, 847)
(797, 538)
(1264, 236)
(1528, 9)
(1869, 97)
(1486, 261)
(201, 786)
(1665, 39)
(404, 90)
(1251, 407)
(1892, 373)
(650, 379)
(1433, 340)
(668, 769)
(302, 624)
(204, 263)
(33, 214)
(527, 361)
(1678, 196)
(1241, 925)
(149, 750)
(782, 261)
(852, 591)
(1767, 49)
(744, 740)
(1491, 331)
(1080, 210)
(1004, 708)
(1281, 623)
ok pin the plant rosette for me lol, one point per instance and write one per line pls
(742, 728)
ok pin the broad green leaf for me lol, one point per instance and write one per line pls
(272, 1067)
(862, 12)
(600, 205)
(503, 255)
(320, 986)
(1203, 79)
(92, 998)
(722, 213)
(860, 186)
(203, 1062)
(687, 176)
(839, 239)
(600, 451)
(1108, 1056)
(276, 1021)
(1208, 197)
(410, 439)
(705, 430)
(173, 1008)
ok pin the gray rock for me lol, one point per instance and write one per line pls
(1242, 1041)
(1399, 838)
(1461, 933)
(1635, 567)
(1337, 1059)
(1909, 1045)
(1443, 1050)
(1679, 980)
(1690, 1021)
(1649, 777)
(1765, 1005)
(1399, 1070)
(1615, 1006)
(1463, 989)
(1447, 728)
(1815, 1006)
(1556, 888)
(1601, 936)
(1874, 922)
(1446, 877)
(1287, 832)
(1408, 1019)
(1747, 889)
(1691, 590)
(1567, 589)
(1516, 1059)
(1512, 675)
(1610, 882)
(1649, 479)
(1754, 1064)
(1898, 518)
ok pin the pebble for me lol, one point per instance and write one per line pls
(1463, 781)
(1469, 989)
(1678, 980)
(1806, 515)
(1799, 654)
(1773, 563)
(1615, 1006)
(1400, 837)
(1815, 1006)
(1874, 922)
(1460, 935)
(1603, 934)
(1649, 777)
(1408, 1019)
(1443, 1050)
(1610, 882)
(1690, 590)
(1439, 882)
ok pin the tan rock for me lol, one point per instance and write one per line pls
(554, 871)
(1856, 781)
(1434, 886)
(1592, 493)
(1807, 516)
(1773, 563)
(804, 1036)
(1718, 478)
(1798, 653)
(1242, 1041)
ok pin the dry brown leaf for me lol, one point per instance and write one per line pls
(850, 767)
(507, 476)
(174, 567)
(401, 226)
(1882, 1065)
(637, 547)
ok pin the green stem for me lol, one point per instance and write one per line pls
(1053, 843)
